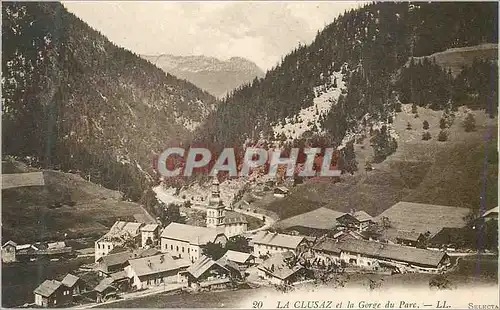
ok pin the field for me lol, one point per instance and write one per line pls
(66, 204)
(445, 173)
(19, 280)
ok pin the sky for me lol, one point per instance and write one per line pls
(260, 31)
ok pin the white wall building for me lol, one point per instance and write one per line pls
(269, 243)
(186, 241)
(118, 235)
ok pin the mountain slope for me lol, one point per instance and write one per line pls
(74, 100)
(211, 74)
(368, 47)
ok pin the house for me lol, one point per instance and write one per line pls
(119, 234)
(372, 255)
(9, 252)
(115, 262)
(281, 192)
(209, 274)
(186, 241)
(52, 293)
(243, 260)
(317, 222)
(359, 220)
(105, 290)
(278, 271)
(156, 270)
(234, 224)
(326, 251)
(423, 218)
(265, 242)
(121, 281)
(150, 235)
(409, 238)
(75, 284)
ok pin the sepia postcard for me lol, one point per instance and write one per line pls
(249, 155)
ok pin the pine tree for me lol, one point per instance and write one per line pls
(470, 123)
(426, 125)
(414, 108)
(442, 123)
(426, 136)
(408, 126)
(443, 136)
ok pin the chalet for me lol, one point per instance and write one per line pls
(265, 243)
(52, 293)
(409, 238)
(9, 252)
(359, 220)
(115, 262)
(243, 260)
(74, 284)
(120, 281)
(150, 235)
(186, 241)
(372, 255)
(206, 273)
(156, 270)
(105, 290)
(278, 271)
(118, 236)
(281, 192)
(234, 224)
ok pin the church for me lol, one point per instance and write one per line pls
(219, 217)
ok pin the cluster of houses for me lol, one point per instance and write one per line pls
(13, 252)
(136, 256)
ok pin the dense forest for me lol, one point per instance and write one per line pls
(370, 45)
(72, 100)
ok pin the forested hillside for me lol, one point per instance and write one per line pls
(368, 47)
(75, 101)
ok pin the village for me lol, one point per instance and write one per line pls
(137, 259)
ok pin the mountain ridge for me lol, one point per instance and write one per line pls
(214, 75)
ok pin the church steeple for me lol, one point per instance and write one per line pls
(215, 208)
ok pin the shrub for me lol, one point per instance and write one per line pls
(426, 136)
(425, 124)
(443, 136)
(469, 123)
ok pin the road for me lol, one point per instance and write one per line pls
(268, 221)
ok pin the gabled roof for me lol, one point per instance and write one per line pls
(120, 275)
(238, 257)
(328, 245)
(104, 284)
(156, 264)
(424, 217)
(56, 245)
(491, 212)
(201, 265)
(234, 218)
(121, 231)
(10, 242)
(122, 257)
(321, 218)
(275, 239)
(277, 267)
(47, 288)
(393, 252)
(283, 189)
(150, 227)
(70, 280)
(193, 234)
(362, 216)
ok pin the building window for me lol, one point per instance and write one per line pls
(172, 247)
(182, 249)
(188, 250)
(109, 247)
(177, 248)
